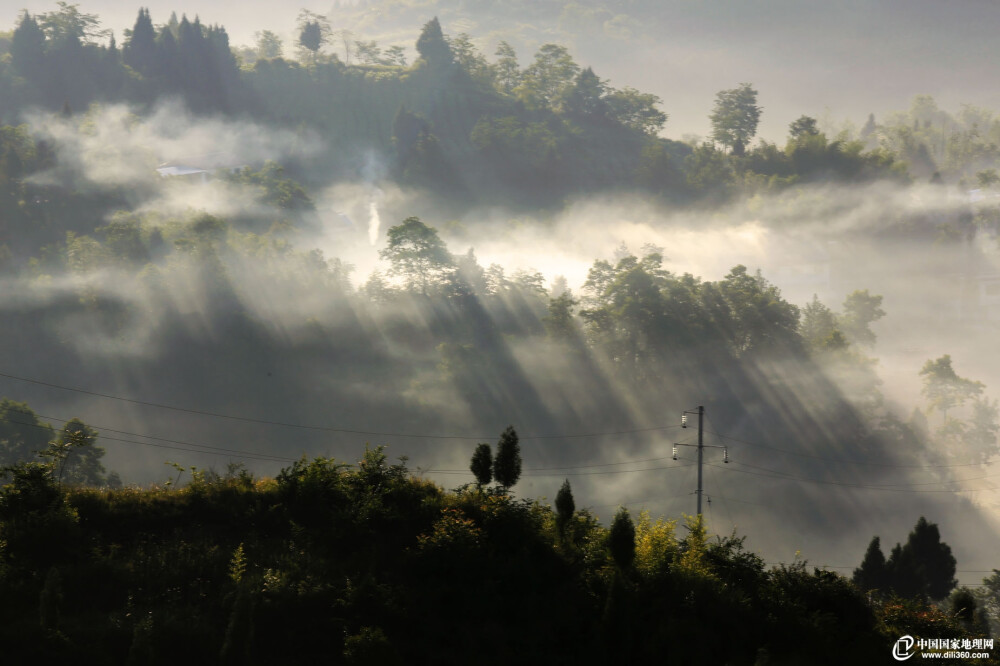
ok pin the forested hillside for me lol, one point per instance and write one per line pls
(256, 258)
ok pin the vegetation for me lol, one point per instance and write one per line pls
(354, 563)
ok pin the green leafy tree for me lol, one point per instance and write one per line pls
(735, 117)
(803, 126)
(507, 463)
(68, 23)
(22, 434)
(621, 539)
(861, 310)
(819, 327)
(77, 456)
(636, 110)
(269, 44)
(984, 425)
(709, 173)
(755, 316)
(944, 389)
(544, 80)
(482, 464)
(314, 32)
(585, 98)
(418, 255)
(506, 70)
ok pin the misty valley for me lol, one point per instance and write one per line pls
(405, 336)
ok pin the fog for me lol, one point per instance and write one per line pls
(256, 354)
(250, 349)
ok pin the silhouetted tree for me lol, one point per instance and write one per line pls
(507, 464)
(565, 506)
(417, 255)
(621, 539)
(139, 51)
(482, 464)
(432, 46)
(872, 574)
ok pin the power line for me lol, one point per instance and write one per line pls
(789, 477)
(302, 426)
(613, 471)
(837, 460)
(187, 446)
(265, 456)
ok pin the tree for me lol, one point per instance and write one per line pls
(944, 388)
(506, 71)
(311, 38)
(27, 47)
(621, 539)
(584, 99)
(544, 80)
(755, 316)
(636, 110)
(139, 51)
(872, 574)
(565, 506)
(269, 44)
(803, 126)
(559, 323)
(22, 434)
(934, 561)
(417, 255)
(432, 46)
(482, 464)
(735, 117)
(507, 464)
(861, 309)
(69, 24)
(923, 567)
(819, 327)
(77, 456)
(314, 32)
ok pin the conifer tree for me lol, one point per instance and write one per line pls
(507, 464)
(482, 464)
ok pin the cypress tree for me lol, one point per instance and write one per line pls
(507, 464)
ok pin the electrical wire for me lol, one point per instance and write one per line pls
(247, 419)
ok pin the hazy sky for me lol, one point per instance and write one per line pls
(810, 57)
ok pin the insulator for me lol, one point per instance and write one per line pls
(725, 455)
(684, 420)
(675, 452)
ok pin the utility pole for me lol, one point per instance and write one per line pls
(701, 447)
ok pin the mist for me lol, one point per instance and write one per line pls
(250, 326)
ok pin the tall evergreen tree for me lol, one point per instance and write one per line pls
(621, 539)
(139, 51)
(872, 574)
(27, 47)
(565, 506)
(432, 46)
(482, 464)
(507, 464)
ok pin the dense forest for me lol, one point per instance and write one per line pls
(194, 272)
